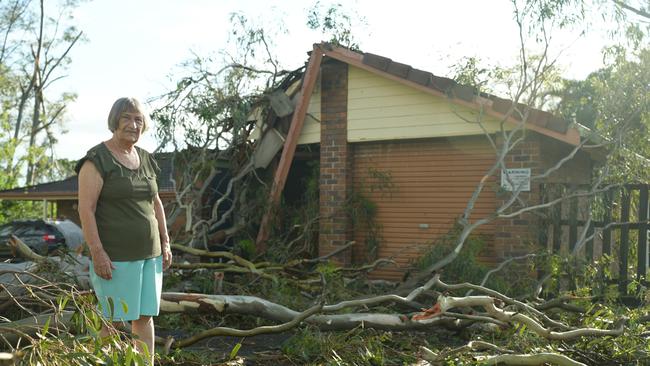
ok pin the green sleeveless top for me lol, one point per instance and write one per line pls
(125, 214)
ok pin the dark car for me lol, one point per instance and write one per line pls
(43, 237)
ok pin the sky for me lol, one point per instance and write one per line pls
(137, 47)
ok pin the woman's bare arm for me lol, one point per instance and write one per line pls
(159, 211)
(90, 186)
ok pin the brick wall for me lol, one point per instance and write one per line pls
(335, 160)
(519, 235)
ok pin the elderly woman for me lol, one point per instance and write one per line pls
(124, 223)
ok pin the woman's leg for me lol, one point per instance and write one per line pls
(151, 288)
(144, 330)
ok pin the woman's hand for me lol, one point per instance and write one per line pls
(159, 211)
(102, 264)
(167, 255)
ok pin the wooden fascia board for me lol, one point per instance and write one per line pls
(59, 196)
(289, 149)
(572, 136)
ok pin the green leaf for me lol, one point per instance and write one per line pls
(129, 356)
(63, 301)
(522, 329)
(235, 350)
(125, 306)
(139, 359)
(46, 327)
(111, 307)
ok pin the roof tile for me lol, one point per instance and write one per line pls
(420, 77)
(463, 92)
(538, 117)
(501, 105)
(399, 69)
(442, 84)
(376, 61)
(557, 124)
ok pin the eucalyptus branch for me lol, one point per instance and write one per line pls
(222, 331)
(488, 303)
(555, 201)
(471, 346)
(501, 266)
(435, 280)
(637, 11)
(530, 359)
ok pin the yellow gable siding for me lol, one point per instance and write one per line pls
(311, 128)
(383, 109)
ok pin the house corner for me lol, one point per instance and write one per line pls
(335, 162)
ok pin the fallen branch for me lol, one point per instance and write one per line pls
(561, 302)
(471, 346)
(216, 254)
(251, 305)
(367, 268)
(7, 359)
(488, 303)
(21, 249)
(532, 360)
(223, 331)
(497, 295)
(27, 328)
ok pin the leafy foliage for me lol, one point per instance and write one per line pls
(356, 347)
(59, 342)
(336, 22)
(614, 103)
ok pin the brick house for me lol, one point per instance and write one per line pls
(375, 119)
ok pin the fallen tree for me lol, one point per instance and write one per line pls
(448, 312)
(219, 111)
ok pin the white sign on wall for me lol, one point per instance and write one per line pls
(513, 179)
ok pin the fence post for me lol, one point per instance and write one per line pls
(556, 215)
(573, 219)
(642, 260)
(589, 250)
(607, 232)
(625, 241)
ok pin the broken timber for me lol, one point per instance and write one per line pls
(297, 121)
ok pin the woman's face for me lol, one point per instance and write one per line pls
(130, 126)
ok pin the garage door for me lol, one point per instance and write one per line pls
(420, 188)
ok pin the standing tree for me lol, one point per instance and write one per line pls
(36, 42)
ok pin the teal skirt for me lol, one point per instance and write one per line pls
(134, 290)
